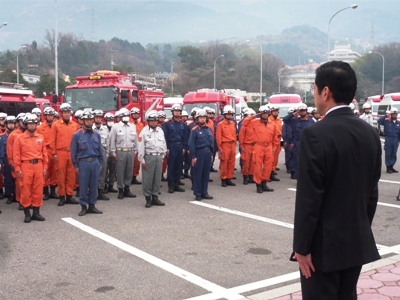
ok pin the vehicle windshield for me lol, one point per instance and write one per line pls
(88, 98)
(283, 111)
(168, 113)
(375, 108)
(189, 106)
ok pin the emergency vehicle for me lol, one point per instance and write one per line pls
(241, 101)
(387, 103)
(284, 102)
(14, 99)
(168, 102)
(208, 97)
(374, 102)
(112, 90)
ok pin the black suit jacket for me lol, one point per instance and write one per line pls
(337, 192)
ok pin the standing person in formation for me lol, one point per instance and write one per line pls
(62, 131)
(367, 116)
(102, 130)
(287, 140)
(265, 137)
(274, 118)
(87, 158)
(3, 117)
(391, 128)
(152, 149)
(176, 137)
(332, 222)
(211, 116)
(135, 114)
(111, 163)
(246, 146)
(201, 144)
(297, 121)
(51, 176)
(161, 119)
(78, 116)
(226, 141)
(124, 144)
(10, 150)
(36, 111)
(9, 181)
(186, 156)
(30, 159)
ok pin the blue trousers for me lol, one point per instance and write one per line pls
(175, 161)
(9, 181)
(391, 145)
(294, 162)
(186, 161)
(89, 173)
(201, 172)
(288, 155)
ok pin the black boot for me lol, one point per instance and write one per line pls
(27, 213)
(389, 170)
(111, 189)
(245, 179)
(148, 201)
(287, 169)
(229, 182)
(77, 192)
(251, 179)
(70, 200)
(393, 170)
(187, 174)
(83, 211)
(105, 190)
(273, 177)
(62, 201)
(171, 187)
(265, 187)
(156, 201)
(177, 187)
(223, 183)
(46, 195)
(120, 193)
(20, 207)
(93, 210)
(9, 200)
(180, 182)
(135, 181)
(53, 194)
(1, 194)
(101, 196)
(213, 170)
(293, 175)
(259, 188)
(36, 215)
(127, 193)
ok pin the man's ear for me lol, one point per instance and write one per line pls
(326, 93)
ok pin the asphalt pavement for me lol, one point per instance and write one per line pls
(236, 246)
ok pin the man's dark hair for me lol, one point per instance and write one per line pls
(340, 78)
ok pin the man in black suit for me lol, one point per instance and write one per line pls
(332, 223)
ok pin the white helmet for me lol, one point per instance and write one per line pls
(201, 113)
(310, 110)
(264, 109)
(211, 111)
(352, 107)
(10, 119)
(302, 106)
(117, 114)
(65, 107)
(37, 111)
(366, 106)
(135, 110)
(207, 108)
(30, 118)
(251, 112)
(78, 113)
(49, 111)
(356, 112)
(152, 116)
(124, 112)
(184, 113)
(3, 115)
(161, 114)
(228, 110)
(274, 108)
(176, 107)
(98, 113)
(193, 111)
(108, 116)
(290, 110)
(20, 116)
(394, 110)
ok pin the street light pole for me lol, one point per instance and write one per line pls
(4, 24)
(23, 47)
(261, 59)
(172, 77)
(56, 49)
(214, 68)
(354, 6)
(383, 70)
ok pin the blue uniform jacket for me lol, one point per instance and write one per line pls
(286, 133)
(3, 147)
(391, 129)
(85, 144)
(297, 125)
(175, 132)
(200, 137)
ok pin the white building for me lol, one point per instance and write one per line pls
(301, 77)
(343, 53)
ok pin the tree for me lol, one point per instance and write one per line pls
(9, 76)
(47, 85)
(192, 57)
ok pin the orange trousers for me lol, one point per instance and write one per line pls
(31, 184)
(262, 161)
(227, 160)
(136, 166)
(247, 165)
(51, 175)
(276, 158)
(65, 173)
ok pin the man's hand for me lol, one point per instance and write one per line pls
(20, 176)
(241, 150)
(144, 165)
(55, 158)
(77, 171)
(167, 153)
(284, 144)
(12, 167)
(305, 264)
(183, 152)
(194, 160)
(291, 146)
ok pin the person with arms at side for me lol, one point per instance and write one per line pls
(332, 221)
(152, 149)
(9, 180)
(186, 156)
(274, 118)
(161, 119)
(246, 147)
(111, 163)
(87, 158)
(135, 114)
(30, 160)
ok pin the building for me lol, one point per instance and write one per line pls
(298, 79)
(343, 53)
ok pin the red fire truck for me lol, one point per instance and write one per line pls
(112, 90)
(14, 99)
(211, 98)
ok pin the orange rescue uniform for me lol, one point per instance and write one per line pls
(266, 141)
(226, 141)
(210, 124)
(246, 145)
(278, 124)
(30, 158)
(60, 145)
(136, 164)
(10, 148)
(51, 175)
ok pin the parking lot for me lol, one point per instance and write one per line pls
(231, 247)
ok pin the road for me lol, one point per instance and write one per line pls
(231, 247)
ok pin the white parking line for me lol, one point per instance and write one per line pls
(389, 181)
(203, 283)
(379, 203)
